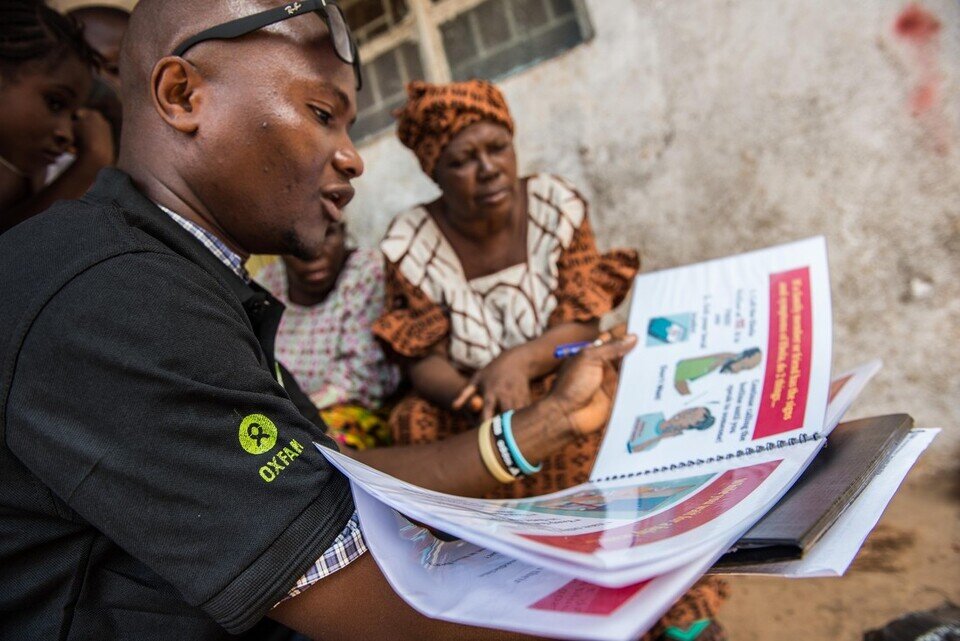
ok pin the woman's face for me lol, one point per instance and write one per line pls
(311, 280)
(477, 172)
(37, 107)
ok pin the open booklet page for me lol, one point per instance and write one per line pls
(602, 509)
(611, 533)
(734, 355)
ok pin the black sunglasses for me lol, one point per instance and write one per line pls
(343, 43)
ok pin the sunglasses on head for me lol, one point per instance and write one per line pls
(343, 42)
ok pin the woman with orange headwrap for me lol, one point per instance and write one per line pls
(483, 284)
(486, 281)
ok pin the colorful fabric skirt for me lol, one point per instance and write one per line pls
(357, 427)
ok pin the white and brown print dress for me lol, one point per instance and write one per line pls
(431, 303)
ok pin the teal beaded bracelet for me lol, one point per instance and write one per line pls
(518, 459)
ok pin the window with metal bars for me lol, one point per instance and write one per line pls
(445, 40)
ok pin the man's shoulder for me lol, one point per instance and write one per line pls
(40, 256)
(118, 281)
(68, 238)
(114, 218)
(91, 255)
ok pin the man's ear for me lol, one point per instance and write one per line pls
(177, 93)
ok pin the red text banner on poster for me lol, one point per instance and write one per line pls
(787, 378)
(580, 597)
(721, 495)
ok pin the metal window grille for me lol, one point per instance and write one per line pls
(444, 40)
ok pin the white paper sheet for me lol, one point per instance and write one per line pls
(461, 582)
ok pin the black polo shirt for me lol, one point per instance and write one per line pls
(157, 479)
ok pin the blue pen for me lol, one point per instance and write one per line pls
(572, 349)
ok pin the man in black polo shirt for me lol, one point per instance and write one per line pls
(158, 478)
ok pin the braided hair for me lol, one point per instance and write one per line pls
(30, 31)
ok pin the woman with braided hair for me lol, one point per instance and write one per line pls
(45, 76)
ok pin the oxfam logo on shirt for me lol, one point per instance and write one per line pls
(258, 434)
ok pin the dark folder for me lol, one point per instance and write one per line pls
(853, 454)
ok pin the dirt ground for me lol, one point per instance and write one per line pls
(910, 562)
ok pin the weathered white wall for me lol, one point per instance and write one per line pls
(701, 128)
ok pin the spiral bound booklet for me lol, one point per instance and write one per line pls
(719, 409)
(733, 359)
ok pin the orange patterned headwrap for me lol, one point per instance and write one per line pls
(435, 114)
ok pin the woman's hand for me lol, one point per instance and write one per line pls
(586, 384)
(578, 404)
(504, 384)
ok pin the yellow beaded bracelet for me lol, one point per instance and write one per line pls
(490, 459)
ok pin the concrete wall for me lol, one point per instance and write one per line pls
(701, 128)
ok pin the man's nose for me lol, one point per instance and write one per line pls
(348, 162)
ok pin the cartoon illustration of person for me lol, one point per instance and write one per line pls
(650, 429)
(691, 369)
